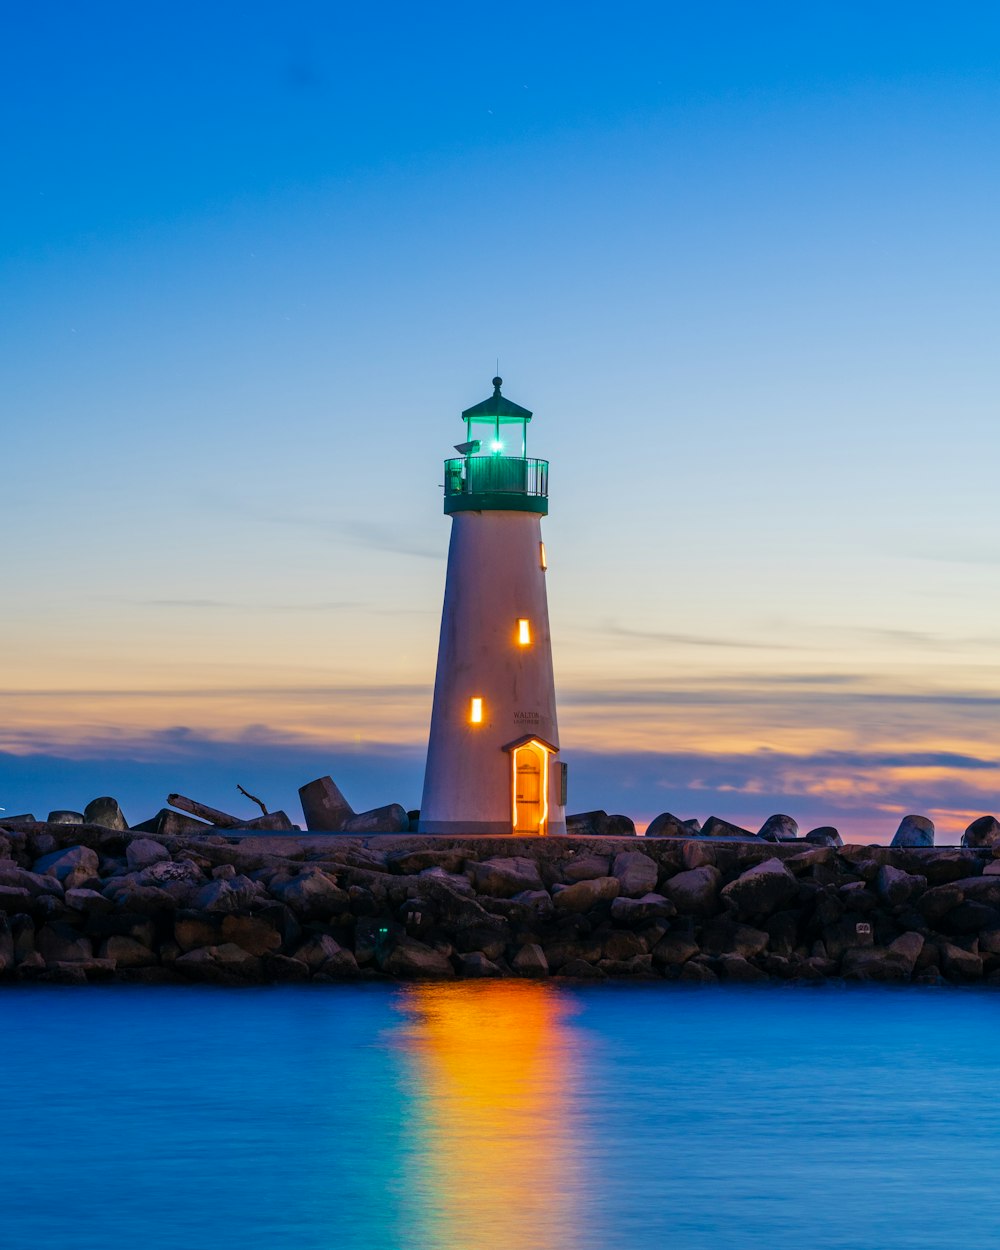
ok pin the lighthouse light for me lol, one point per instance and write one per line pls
(524, 632)
(496, 445)
(476, 711)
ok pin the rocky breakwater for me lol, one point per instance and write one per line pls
(83, 903)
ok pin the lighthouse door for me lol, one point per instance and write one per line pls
(530, 766)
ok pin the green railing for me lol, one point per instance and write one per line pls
(496, 475)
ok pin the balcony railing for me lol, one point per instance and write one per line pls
(496, 475)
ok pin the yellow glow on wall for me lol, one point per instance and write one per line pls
(476, 711)
(542, 752)
(542, 558)
(524, 631)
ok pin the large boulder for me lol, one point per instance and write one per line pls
(824, 835)
(62, 816)
(587, 824)
(142, 852)
(642, 911)
(895, 962)
(716, 827)
(312, 894)
(779, 828)
(695, 892)
(761, 890)
(324, 807)
(105, 812)
(982, 832)
(60, 943)
(412, 960)
(667, 825)
(584, 895)
(636, 873)
(530, 961)
(896, 886)
(127, 952)
(914, 831)
(254, 934)
(584, 866)
(503, 877)
(226, 896)
(389, 819)
(72, 866)
(36, 883)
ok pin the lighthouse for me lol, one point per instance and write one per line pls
(492, 756)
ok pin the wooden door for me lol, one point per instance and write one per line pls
(530, 762)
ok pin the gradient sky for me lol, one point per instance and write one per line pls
(743, 263)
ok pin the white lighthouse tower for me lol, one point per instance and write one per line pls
(491, 758)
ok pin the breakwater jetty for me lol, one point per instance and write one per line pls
(83, 903)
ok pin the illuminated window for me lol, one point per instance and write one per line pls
(476, 711)
(524, 632)
(541, 556)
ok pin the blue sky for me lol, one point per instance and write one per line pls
(740, 260)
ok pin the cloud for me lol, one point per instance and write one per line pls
(615, 630)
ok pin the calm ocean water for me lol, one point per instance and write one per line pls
(499, 1115)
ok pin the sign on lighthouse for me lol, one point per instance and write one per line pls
(492, 763)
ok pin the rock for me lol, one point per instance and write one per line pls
(15, 899)
(587, 824)
(622, 946)
(71, 867)
(475, 964)
(695, 892)
(312, 895)
(126, 952)
(530, 961)
(224, 963)
(673, 950)
(106, 813)
(389, 819)
(88, 901)
(897, 887)
(736, 968)
(61, 817)
(693, 826)
(698, 855)
(168, 871)
(582, 970)
(640, 911)
(779, 828)
(747, 941)
(412, 960)
(636, 873)
(270, 822)
(824, 835)
(226, 896)
(317, 951)
(253, 934)
(539, 902)
(192, 931)
(281, 968)
(584, 895)
(667, 825)
(982, 832)
(583, 867)
(960, 965)
(170, 824)
(761, 890)
(914, 831)
(697, 971)
(620, 827)
(142, 852)
(456, 880)
(324, 807)
(504, 877)
(35, 883)
(59, 943)
(410, 862)
(716, 827)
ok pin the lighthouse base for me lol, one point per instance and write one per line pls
(458, 828)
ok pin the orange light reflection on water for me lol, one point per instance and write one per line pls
(494, 1081)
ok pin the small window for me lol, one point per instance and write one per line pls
(476, 711)
(542, 558)
(524, 632)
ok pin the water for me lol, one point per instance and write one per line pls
(499, 1115)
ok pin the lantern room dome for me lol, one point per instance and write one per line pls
(497, 409)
